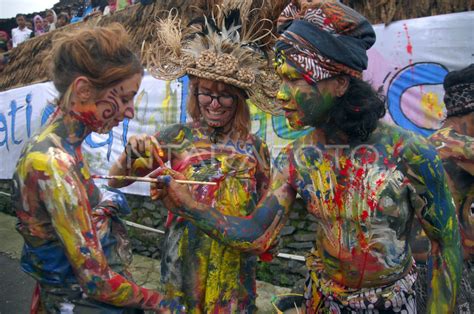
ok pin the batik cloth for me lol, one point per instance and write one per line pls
(324, 295)
(459, 99)
(323, 40)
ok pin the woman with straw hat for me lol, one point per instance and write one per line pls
(227, 65)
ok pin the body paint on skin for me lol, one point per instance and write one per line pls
(363, 202)
(73, 237)
(304, 104)
(201, 272)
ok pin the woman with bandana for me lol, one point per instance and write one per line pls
(76, 246)
(365, 181)
(226, 68)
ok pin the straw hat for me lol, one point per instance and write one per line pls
(233, 45)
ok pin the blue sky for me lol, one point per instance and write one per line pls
(9, 8)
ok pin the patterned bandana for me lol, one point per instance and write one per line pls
(324, 39)
(459, 99)
(459, 88)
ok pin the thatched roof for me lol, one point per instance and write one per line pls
(26, 67)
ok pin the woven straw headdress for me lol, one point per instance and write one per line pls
(232, 45)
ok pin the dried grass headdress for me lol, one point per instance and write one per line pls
(232, 45)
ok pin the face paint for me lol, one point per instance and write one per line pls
(304, 104)
(217, 103)
(112, 106)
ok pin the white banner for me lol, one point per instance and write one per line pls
(409, 61)
(24, 110)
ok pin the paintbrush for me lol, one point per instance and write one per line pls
(147, 179)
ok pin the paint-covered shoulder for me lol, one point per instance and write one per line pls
(52, 162)
(396, 136)
(414, 149)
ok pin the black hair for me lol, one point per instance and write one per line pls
(357, 112)
(20, 15)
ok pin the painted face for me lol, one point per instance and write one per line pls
(303, 104)
(111, 106)
(217, 103)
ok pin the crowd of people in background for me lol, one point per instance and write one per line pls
(50, 20)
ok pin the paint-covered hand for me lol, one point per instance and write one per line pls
(143, 146)
(178, 194)
(159, 190)
(142, 154)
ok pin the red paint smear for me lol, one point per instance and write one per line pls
(372, 205)
(397, 148)
(339, 236)
(169, 219)
(292, 172)
(88, 118)
(115, 282)
(365, 214)
(308, 77)
(379, 182)
(266, 257)
(338, 197)
(347, 166)
(91, 264)
(372, 158)
(363, 270)
(409, 45)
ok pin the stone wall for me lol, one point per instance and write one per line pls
(5, 202)
(297, 237)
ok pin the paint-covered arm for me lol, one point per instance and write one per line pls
(255, 232)
(262, 174)
(455, 146)
(67, 202)
(141, 155)
(435, 209)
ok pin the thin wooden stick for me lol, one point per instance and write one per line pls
(144, 179)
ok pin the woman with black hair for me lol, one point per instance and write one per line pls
(364, 181)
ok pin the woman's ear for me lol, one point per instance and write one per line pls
(342, 84)
(83, 89)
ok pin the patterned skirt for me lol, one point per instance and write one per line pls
(323, 295)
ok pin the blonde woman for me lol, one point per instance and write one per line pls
(76, 247)
(226, 68)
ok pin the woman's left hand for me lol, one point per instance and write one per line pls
(173, 194)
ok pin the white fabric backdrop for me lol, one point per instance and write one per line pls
(409, 62)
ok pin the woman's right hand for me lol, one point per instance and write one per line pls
(144, 146)
(142, 154)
